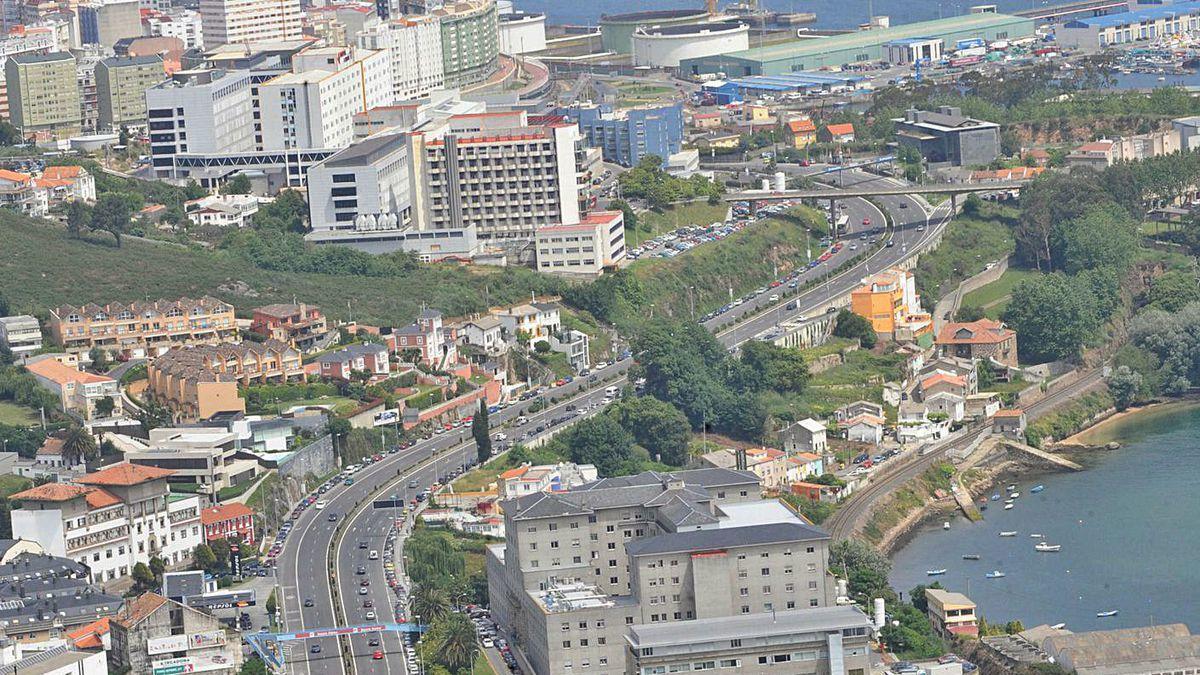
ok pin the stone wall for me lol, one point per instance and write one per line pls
(316, 458)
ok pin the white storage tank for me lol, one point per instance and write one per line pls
(522, 32)
(879, 613)
(780, 181)
(665, 46)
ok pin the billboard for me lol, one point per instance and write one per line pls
(181, 643)
(191, 664)
(389, 416)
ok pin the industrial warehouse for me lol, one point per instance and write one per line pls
(859, 47)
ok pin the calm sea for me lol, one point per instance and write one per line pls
(1127, 526)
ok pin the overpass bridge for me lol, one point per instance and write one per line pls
(1085, 7)
(835, 194)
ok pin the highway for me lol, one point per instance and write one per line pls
(304, 566)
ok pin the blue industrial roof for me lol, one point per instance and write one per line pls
(1137, 16)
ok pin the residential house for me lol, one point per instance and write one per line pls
(155, 634)
(222, 211)
(836, 133)
(803, 132)
(79, 391)
(527, 479)
(1097, 155)
(1010, 423)
(21, 334)
(342, 364)
(45, 596)
(857, 408)
(951, 614)
(947, 403)
(110, 520)
(228, 521)
(300, 325)
(939, 382)
(68, 183)
(807, 435)
(575, 344)
(196, 383)
(822, 493)
(485, 332)
(863, 428)
(431, 341)
(708, 120)
(142, 329)
(93, 637)
(914, 358)
(983, 406)
(1016, 173)
(1038, 156)
(535, 319)
(890, 302)
(723, 140)
(982, 339)
(19, 192)
(769, 464)
(50, 455)
(803, 465)
(967, 369)
(913, 424)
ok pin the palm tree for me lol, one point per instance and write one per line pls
(459, 644)
(429, 603)
(78, 446)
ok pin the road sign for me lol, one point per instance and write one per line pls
(388, 504)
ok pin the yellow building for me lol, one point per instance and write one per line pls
(803, 131)
(890, 302)
(756, 112)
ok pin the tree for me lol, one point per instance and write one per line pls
(972, 204)
(203, 558)
(143, 578)
(253, 666)
(78, 446)
(541, 347)
(782, 369)
(272, 605)
(969, 313)
(238, 185)
(429, 603)
(850, 325)
(1125, 385)
(629, 217)
(79, 218)
(105, 406)
(1173, 290)
(451, 642)
(1053, 318)
(220, 549)
(1102, 237)
(339, 428)
(9, 134)
(157, 567)
(153, 415)
(481, 432)
(99, 359)
(112, 213)
(5, 307)
(917, 595)
(600, 441)
(656, 425)
(866, 569)
(985, 374)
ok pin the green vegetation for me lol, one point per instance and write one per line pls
(652, 223)
(994, 297)
(969, 244)
(1068, 419)
(650, 182)
(258, 499)
(849, 325)
(17, 415)
(904, 501)
(632, 94)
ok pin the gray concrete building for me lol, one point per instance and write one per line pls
(946, 136)
(581, 570)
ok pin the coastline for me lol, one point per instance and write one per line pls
(1094, 434)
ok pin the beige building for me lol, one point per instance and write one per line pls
(199, 382)
(951, 613)
(597, 242)
(142, 329)
(79, 391)
(43, 94)
(121, 84)
(241, 21)
(153, 634)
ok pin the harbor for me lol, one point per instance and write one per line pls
(1086, 549)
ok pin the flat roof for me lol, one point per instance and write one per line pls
(788, 622)
(1165, 11)
(653, 15)
(726, 537)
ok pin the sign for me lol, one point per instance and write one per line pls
(213, 638)
(235, 560)
(389, 416)
(190, 664)
(387, 503)
(166, 645)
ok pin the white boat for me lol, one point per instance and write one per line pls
(1008, 533)
(1007, 506)
(945, 525)
(1111, 612)
(1059, 626)
(1012, 488)
(1037, 488)
(1014, 495)
(994, 574)
(1035, 535)
(935, 573)
(1043, 547)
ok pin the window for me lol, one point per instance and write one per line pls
(737, 642)
(601, 640)
(781, 658)
(813, 603)
(566, 626)
(766, 571)
(744, 592)
(566, 644)
(766, 589)
(731, 663)
(745, 609)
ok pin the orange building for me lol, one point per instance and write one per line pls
(142, 329)
(804, 132)
(890, 302)
(199, 382)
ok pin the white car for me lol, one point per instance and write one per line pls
(501, 436)
(487, 642)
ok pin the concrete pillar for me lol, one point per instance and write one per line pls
(953, 202)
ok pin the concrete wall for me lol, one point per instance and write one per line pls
(948, 306)
(316, 458)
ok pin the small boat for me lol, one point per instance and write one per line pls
(1111, 612)
(935, 573)
(1008, 506)
(996, 497)
(1014, 495)
(946, 525)
(1008, 533)
(1059, 626)
(1035, 535)
(1037, 488)
(1043, 547)
(994, 574)
(1012, 488)
(970, 556)
(1008, 501)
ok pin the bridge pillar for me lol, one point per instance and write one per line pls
(833, 218)
(953, 202)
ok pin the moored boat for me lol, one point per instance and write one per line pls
(1111, 612)
(1043, 547)
(1014, 495)
(1008, 533)
(935, 573)
(1037, 488)
(1008, 506)
(1035, 535)
(994, 574)
(970, 556)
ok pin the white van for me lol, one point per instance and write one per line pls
(522, 420)
(373, 555)
(320, 504)
(611, 392)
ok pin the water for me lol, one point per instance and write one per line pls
(830, 13)
(1127, 526)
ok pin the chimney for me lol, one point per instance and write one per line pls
(740, 459)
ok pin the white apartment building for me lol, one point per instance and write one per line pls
(314, 106)
(370, 177)
(110, 520)
(598, 241)
(185, 24)
(199, 111)
(29, 39)
(241, 21)
(21, 334)
(414, 46)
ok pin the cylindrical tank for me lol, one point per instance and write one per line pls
(879, 620)
(780, 181)
(843, 588)
(766, 184)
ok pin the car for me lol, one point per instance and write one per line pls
(373, 642)
(368, 604)
(362, 545)
(315, 649)
(370, 615)
(866, 221)
(904, 205)
(361, 570)
(377, 655)
(362, 590)
(487, 642)
(308, 602)
(332, 518)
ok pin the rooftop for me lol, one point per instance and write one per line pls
(1127, 650)
(948, 598)
(788, 622)
(216, 514)
(124, 475)
(725, 538)
(60, 373)
(1163, 11)
(983, 331)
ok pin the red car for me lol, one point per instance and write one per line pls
(866, 221)
(377, 655)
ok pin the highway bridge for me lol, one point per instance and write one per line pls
(1085, 8)
(880, 190)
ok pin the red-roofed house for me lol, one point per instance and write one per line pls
(1009, 423)
(982, 339)
(78, 182)
(836, 133)
(708, 120)
(803, 131)
(92, 637)
(228, 520)
(77, 390)
(943, 383)
(19, 192)
(1097, 155)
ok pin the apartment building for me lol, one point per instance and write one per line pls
(184, 24)
(625, 136)
(79, 391)
(21, 193)
(43, 94)
(300, 325)
(470, 41)
(62, 599)
(154, 634)
(206, 460)
(197, 112)
(890, 302)
(414, 47)
(242, 21)
(110, 520)
(228, 521)
(121, 84)
(582, 571)
(596, 243)
(314, 106)
(359, 358)
(198, 382)
(67, 183)
(141, 329)
(20, 334)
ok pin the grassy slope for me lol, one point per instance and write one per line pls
(970, 243)
(16, 415)
(10, 485)
(653, 223)
(994, 297)
(42, 268)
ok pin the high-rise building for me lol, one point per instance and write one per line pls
(658, 559)
(43, 94)
(184, 24)
(241, 21)
(414, 45)
(121, 85)
(625, 136)
(470, 41)
(107, 22)
(314, 106)
(199, 111)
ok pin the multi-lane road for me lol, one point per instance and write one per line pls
(317, 551)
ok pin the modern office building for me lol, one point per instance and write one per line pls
(627, 135)
(141, 329)
(199, 111)
(946, 136)
(121, 84)
(586, 574)
(244, 21)
(110, 520)
(414, 47)
(43, 94)
(314, 106)
(470, 41)
(20, 334)
(203, 460)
